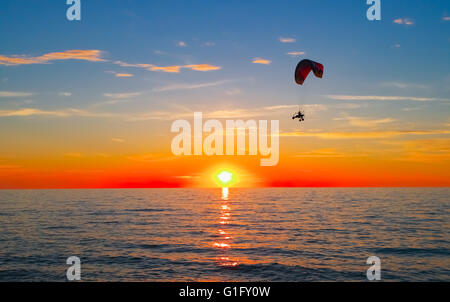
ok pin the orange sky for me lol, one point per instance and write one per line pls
(304, 162)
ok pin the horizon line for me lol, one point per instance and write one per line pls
(203, 188)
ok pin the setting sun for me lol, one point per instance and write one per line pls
(225, 177)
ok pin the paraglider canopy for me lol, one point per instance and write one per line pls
(304, 68)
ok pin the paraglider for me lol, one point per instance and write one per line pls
(301, 73)
(304, 68)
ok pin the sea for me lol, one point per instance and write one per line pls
(280, 234)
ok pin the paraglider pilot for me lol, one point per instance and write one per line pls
(300, 116)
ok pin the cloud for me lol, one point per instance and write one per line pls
(404, 21)
(86, 55)
(323, 153)
(237, 113)
(124, 75)
(287, 40)
(120, 96)
(201, 67)
(408, 109)
(426, 150)
(67, 94)
(209, 44)
(13, 94)
(403, 85)
(446, 18)
(118, 140)
(121, 75)
(175, 87)
(171, 69)
(397, 45)
(186, 113)
(296, 53)
(241, 113)
(23, 112)
(125, 64)
(151, 158)
(182, 44)
(278, 107)
(363, 135)
(261, 61)
(382, 98)
(363, 122)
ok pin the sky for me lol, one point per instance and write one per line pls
(90, 103)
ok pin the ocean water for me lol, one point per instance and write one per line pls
(215, 235)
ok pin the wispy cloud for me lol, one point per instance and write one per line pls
(296, 53)
(403, 85)
(174, 87)
(120, 75)
(182, 44)
(321, 153)
(241, 113)
(287, 40)
(171, 69)
(23, 112)
(426, 150)
(118, 140)
(201, 67)
(236, 113)
(66, 94)
(86, 55)
(365, 122)
(124, 75)
(125, 64)
(14, 94)
(404, 21)
(446, 18)
(185, 113)
(363, 135)
(382, 98)
(408, 109)
(261, 61)
(119, 96)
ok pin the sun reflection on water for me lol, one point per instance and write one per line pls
(223, 244)
(225, 193)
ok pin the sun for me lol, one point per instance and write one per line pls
(225, 177)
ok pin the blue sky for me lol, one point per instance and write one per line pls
(358, 54)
